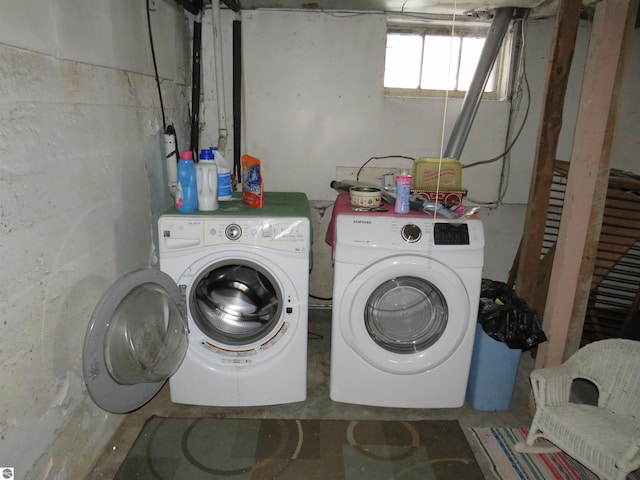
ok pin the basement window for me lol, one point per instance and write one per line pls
(435, 61)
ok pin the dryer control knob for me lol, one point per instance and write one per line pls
(233, 231)
(411, 233)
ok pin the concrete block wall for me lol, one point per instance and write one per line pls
(81, 142)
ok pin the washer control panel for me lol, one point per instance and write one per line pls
(178, 233)
(233, 231)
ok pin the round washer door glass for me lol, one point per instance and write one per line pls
(136, 339)
(406, 315)
(236, 303)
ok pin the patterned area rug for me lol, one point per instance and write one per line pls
(499, 445)
(248, 449)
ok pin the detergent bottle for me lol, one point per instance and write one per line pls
(224, 175)
(207, 181)
(186, 194)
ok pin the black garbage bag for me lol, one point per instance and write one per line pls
(507, 318)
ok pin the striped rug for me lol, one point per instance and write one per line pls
(508, 464)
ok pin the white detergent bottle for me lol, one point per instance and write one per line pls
(207, 180)
(224, 175)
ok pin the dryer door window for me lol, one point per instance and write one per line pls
(236, 303)
(406, 315)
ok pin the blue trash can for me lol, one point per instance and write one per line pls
(493, 372)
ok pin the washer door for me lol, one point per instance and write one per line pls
(405, 314)
(136, 339)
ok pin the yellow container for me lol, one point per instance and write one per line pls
(427, 171)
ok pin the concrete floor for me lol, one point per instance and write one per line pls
(319, 406)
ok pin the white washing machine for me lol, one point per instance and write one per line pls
(225, 319)
(405, 302)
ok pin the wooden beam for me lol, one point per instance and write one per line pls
(562, 47)
(588, 178)
(594, 231)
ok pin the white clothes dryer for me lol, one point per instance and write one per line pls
(225, 319)
(405, 302)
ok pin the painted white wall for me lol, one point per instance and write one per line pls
(80, 137)
(313, 100)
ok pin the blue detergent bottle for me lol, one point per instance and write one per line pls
(187, 194)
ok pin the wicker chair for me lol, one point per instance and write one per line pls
(604, 437)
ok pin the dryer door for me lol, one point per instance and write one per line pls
(136, 339)
(405, 314)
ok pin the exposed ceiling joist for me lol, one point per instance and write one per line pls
(436, 7)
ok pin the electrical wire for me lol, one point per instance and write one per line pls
(155, 68)
(380, 158)
(505, 173)
(515, 138)
(320, 298)
(524, 120)
(516, 98)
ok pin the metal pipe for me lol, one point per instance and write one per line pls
(195, 87)
(233, 5)
(193, 7)
(237, 95)
(473, 96)
(217, 57)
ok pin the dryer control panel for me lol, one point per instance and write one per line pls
(451, 234)
(407, 234)
(444, 233)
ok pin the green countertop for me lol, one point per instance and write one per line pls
(275, 204)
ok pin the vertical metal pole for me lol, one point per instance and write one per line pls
(195, 87)
(473, 96)
(219, 77)
(237, 95)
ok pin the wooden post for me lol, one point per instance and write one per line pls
(587, 181)
(562, 47)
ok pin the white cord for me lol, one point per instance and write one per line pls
(446, 106)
